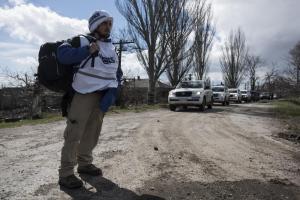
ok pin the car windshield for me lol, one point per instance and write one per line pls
(244, 92)
(218, 89)
(233, 91)
(190, 84)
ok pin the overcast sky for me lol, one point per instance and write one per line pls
(271, 28)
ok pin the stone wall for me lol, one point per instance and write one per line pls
(26, 102)
(20, 103)
(135, 96)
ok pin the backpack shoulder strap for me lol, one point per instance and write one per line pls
(90, 38)
(76, 41)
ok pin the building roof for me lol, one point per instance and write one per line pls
(144, 83)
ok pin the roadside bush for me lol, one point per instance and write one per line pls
(288, 107)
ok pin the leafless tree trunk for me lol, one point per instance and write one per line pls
(204, 36)
(295, 61)
(146, 25)
(233, 60)
(253, 63)
(179, 23)
(269, 80)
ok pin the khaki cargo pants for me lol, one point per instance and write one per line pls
(81, 134)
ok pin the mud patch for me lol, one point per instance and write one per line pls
(292, 136)
(280, 181)
(45, 189)
(41, 144)
(209, 167)
(113, 138)
(220, 190)
(5, 195)
(110, 154)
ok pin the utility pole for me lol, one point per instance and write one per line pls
(121, 44)
(120, 49)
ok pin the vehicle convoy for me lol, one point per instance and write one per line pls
(221, 94)
(255, 96)
(246, 95)
(235, 95)
(266, 95)
(191, 93)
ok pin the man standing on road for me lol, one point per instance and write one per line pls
(91, 85)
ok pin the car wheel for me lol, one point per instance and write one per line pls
(172, 107)
(211, 104)
(224, 102)
(202, 106)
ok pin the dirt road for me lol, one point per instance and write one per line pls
(224, 153)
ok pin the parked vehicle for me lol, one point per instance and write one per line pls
(246, 95)
(266, 95)
(191, 93)
(221, 94)
(255, 96)
(235, 95)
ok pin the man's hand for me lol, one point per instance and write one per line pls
(94, 48)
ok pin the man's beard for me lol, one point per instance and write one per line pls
(105, 36)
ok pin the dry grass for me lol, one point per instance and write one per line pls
(52, 117)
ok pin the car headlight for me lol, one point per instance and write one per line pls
(198, 93)
(171, 93)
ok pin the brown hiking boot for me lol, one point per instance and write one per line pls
(90, 170)
(70, 182)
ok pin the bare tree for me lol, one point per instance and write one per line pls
(253, 63)
(179, 22)
(269, 79)
(275, 81)
(233, 60)
(33, 90)
(295, 61)
(291, 72)
(204, 35)
(20, 78)
(146, 25)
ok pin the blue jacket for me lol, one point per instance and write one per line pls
(68, 55)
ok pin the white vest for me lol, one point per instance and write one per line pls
(100, 77)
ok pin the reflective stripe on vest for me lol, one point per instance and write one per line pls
(96, 76)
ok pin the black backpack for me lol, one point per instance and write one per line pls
(51, 73)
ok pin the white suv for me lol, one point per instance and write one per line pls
(191, 93)
(235, 95)
(246, 95)
(221, 94)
